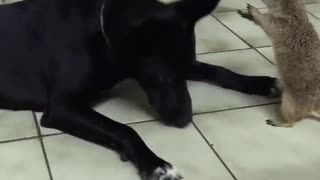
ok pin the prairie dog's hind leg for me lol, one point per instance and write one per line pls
(290, 113)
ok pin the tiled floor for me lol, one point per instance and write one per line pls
(228, 140)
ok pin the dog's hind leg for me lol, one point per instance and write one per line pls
(258, 85)
(72, 116)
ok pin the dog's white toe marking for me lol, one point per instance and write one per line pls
(168, 173)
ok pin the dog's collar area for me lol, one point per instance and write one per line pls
(102, 20)
(106, 39)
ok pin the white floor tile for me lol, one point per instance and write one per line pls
(247, 30)
(315, 22)
(313, 9)
(254, 150)
(184, 148)
(22, 160)
(212, 36)
(250, 32)
(127, 103)
(10, 1)
(43, 130)
(16, 124)
(311, 1)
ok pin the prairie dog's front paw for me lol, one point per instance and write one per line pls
(250, 13)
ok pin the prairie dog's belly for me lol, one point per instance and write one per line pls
(301, 78)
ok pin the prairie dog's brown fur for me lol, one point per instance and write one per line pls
(297, 49)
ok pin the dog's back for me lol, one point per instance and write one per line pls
(22, 54)
(33, 34)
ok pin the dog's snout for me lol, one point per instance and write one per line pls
(182, 120)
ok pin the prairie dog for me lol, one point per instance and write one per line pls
(297, 49)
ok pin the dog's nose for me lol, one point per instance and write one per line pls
(180, 120)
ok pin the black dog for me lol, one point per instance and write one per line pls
(57, 55)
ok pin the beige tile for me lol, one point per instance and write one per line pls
(211, 36)
(184, 148)
(254, 150)
(22, 160)
(232, 5)
(16, 124)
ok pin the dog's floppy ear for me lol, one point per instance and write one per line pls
(193, 10)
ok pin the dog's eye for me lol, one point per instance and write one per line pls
(166, 80)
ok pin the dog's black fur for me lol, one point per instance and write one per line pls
(55, 59)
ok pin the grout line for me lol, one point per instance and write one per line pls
(254, 48)
(231, 50)
(222, 51)
(215, 152)
(208, 112)
(42, 146)
(313, 15)
(232, 109)
(141, 122)
(265, 57)
(17, 140)
(50, 135)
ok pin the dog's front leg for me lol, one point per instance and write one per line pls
(258, 85)
(77, 119)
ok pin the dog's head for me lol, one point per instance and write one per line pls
(159, 44)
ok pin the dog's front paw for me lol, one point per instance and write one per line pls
(166, 172)
(262, 85)
(275, 89)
